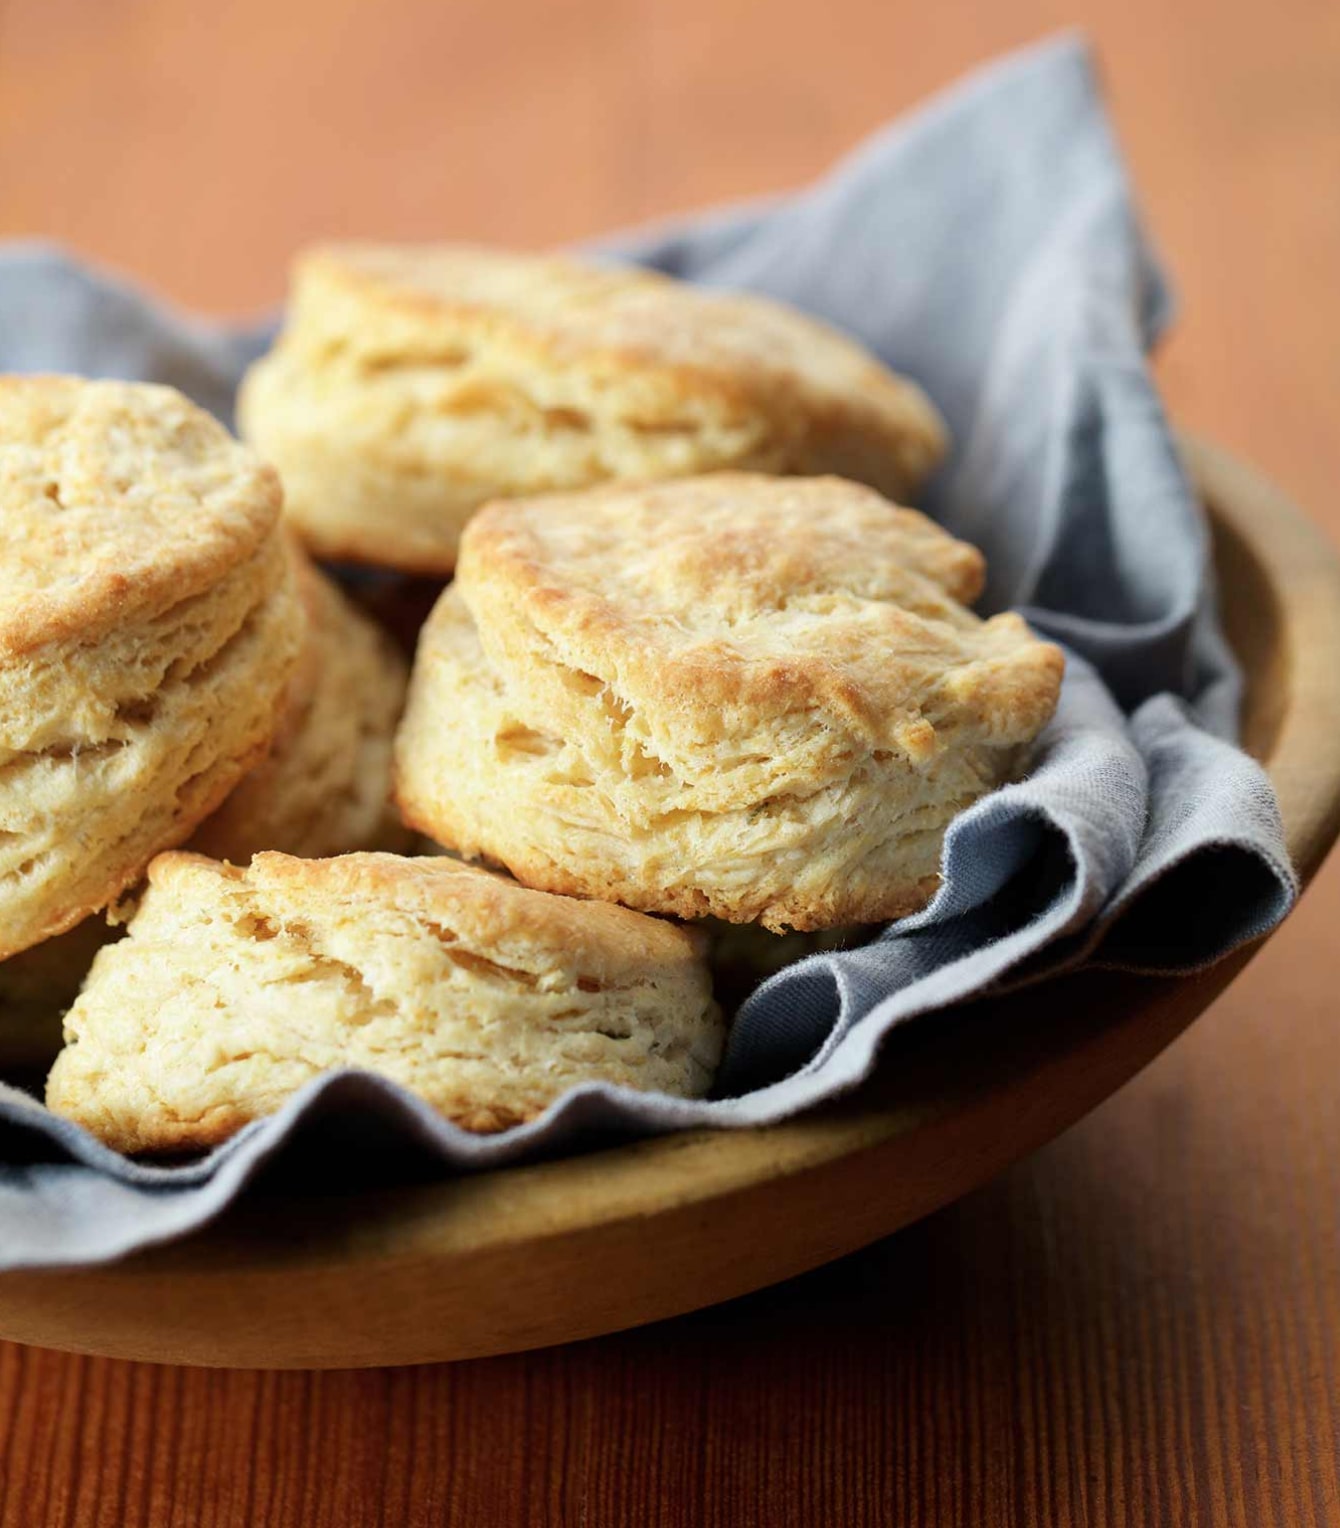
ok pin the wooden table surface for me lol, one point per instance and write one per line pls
(1141, 1324)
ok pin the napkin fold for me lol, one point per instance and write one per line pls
(988, 246)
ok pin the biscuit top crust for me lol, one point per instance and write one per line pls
(809, 615)
(461, 902)
(664, 343)
(117, 499)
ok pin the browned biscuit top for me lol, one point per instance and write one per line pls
(564, 310)
(116, 498)
(744, 607)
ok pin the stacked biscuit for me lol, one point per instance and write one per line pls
(174, 669)
(694, 669)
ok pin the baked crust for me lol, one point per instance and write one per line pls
(147, 631)
(121, 499)
(234, 986)
(324, 786)
(411, 385)
(753, 698)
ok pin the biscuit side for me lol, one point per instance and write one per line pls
(567, 817)
(116, 747)
(404, 393)
(324, 787)
(235, 987)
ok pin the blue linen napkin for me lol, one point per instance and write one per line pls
(986, 245)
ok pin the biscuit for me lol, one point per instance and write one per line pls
(411, 385)
(324, 787)
(751, 698)
(236, 986)
(148, 626)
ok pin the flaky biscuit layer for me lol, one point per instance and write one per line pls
(323, 788)
(147, 632)
(411, 385)
(236, 986)
(745, 697)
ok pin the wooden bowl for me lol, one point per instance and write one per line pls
(527, 1256)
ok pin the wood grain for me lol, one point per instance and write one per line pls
(1140, 1325)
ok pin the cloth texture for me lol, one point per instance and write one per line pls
(986, 245)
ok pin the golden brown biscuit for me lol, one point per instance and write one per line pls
(148, 626)
(410, 385)
(323, 789)
(236, 986)
(745, 697)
